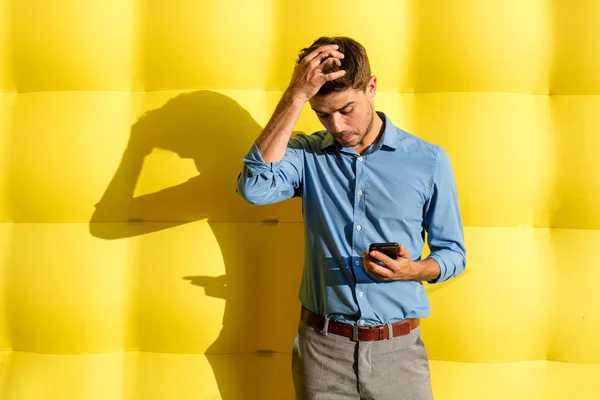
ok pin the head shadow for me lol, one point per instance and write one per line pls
(209, 128)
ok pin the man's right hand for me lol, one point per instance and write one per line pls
(306, 81)
(308, 75)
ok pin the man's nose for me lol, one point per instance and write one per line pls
(336, 124)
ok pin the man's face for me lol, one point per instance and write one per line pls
(347, 115)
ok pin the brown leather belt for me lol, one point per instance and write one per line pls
(359, 333)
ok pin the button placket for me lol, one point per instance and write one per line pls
(359, 220)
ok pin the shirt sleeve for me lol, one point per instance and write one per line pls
(443, 223)
(262, 183)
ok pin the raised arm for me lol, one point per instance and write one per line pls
(273, 167)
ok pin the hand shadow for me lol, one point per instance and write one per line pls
(214, 286)
(215, 132)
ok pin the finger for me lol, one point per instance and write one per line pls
(325, 56)
(379, 272)
(381, 257)
(365, 259)
(367, 264)
(334, 53)
(403, 252)
(328, 66)
(369, 270)
(375, 269)
(311, 56)
(329, 62)
(335, 75)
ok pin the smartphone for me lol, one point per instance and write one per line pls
(390, 249)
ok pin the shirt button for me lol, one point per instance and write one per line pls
(358, 228)
(362, 321)
(357, 263)
(360, 158)
(360, 294)
(360, 192)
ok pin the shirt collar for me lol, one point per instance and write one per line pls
(390, 133)
(388, 139)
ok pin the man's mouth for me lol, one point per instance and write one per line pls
(345, 138)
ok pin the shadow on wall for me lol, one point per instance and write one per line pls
(215, 132)
(207, 127)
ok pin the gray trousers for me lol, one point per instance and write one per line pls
(333, 367)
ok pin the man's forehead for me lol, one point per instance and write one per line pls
(334, 101)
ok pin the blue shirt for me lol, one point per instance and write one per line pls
(396, 191)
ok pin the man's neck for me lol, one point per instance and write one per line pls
(376, 133)
(381, 128)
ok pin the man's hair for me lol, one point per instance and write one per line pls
(355, 63)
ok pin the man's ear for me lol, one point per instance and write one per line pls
(372, 87)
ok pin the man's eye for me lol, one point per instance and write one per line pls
(346, 112)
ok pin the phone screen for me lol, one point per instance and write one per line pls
(390, 249)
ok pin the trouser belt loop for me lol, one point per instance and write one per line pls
(325, 327)
(390, 331)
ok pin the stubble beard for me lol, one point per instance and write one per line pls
(362, 134)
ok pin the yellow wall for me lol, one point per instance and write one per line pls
(129, 268)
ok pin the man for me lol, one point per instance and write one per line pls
(362, 180)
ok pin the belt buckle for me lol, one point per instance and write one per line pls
(355, 333)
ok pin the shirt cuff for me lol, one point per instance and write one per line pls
(444, 275)
(256, 164)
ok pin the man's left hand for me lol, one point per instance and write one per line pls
(402, 268)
